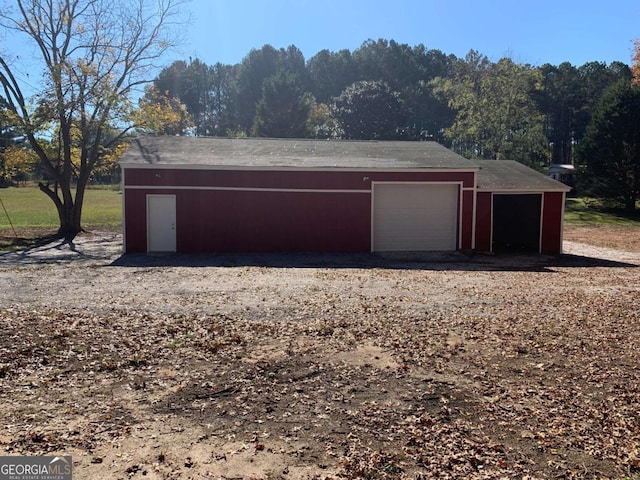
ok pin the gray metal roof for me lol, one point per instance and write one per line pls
(211, 152)
(289, 153)
(509, 175)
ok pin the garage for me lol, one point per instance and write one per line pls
(232, 195)
(518, 210)
(415, 217)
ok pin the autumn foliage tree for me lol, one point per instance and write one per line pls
(18, 163)
(92, 55)
(10, 137)
(160, 114)
(635, 67)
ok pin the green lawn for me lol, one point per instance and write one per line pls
(585, 211)
(28, 207)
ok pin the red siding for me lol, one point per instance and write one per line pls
(135, 221)
(467, 219)
(483, 221)
(268, 212)
(249, 221)
(284, 179)
(552, 221)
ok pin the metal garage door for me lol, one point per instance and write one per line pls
(415, 217)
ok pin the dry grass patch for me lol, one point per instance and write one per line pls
(625, 238)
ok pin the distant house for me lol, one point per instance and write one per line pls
(185, 194)
(562, 173)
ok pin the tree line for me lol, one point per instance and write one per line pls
(387, 90)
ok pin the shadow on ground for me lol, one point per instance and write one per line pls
(105, 249)
(454, 261)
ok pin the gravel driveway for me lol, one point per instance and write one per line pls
(407, 366)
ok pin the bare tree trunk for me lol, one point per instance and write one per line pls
(70, 226)
(68, 213)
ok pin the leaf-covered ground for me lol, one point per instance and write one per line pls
(322, 367)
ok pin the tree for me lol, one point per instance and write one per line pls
(409, 71)
(255, 69)
(610, 151)
(559, 101)
(11, 136)
(221, 115)
(496, 116)
(370, 111)
(568, 99)
(159, 114)
(595, 79)
(192, 84)
(283, 109)
(330, 73)
(206, 92)
(320, 123)
(93, 54)
(108, 171)
(18, 163)
(635, 67)
(430, 114)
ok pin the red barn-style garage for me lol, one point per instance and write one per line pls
(206, 195)
(518, 209)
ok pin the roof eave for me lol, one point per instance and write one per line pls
(565, 189)
(334, 168)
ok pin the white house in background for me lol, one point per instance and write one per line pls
(562, 173)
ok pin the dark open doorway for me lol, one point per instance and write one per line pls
(516, 222)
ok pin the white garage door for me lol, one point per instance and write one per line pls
(415, 217)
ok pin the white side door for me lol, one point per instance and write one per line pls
(161, 223)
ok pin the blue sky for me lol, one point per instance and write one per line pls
(538, 32)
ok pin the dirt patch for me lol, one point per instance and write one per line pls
(322, 366)
(625, 238)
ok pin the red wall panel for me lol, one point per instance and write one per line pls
(467, 219)
(483, 221)
(250, 221)
(552, 221)
(135, 221)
